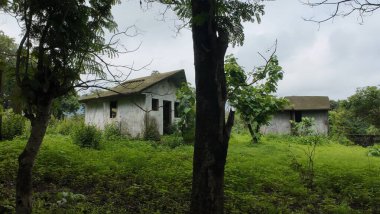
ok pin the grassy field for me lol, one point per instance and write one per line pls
(148, 177)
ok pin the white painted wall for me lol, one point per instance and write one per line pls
(130, 117)
(165, 90)
(280, 122)
(321, 120)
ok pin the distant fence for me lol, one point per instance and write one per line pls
(364, 140)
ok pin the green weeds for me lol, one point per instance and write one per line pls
(132, 176)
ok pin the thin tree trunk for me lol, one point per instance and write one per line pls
(251, 132)
(27, 158)
(212, 132)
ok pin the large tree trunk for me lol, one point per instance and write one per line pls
(27, 158)
(212, 132)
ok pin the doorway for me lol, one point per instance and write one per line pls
(167, 117)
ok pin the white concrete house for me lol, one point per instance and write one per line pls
(316, 107)
(128, 104)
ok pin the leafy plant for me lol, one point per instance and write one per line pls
(12, 125)
(68, 126)
(112, 132)
(303, 128)
(186, 110)
(251, 93)
(151, 129)
(87, 136)
(374, 151)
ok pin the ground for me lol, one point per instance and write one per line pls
(130, 176)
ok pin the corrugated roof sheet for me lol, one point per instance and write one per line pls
(308, 103)
(135, 85)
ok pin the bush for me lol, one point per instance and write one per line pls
(151, 130)
(374, 151)
(68, 126)
(172, 141)
(87, 136)
(303, 128)
(12, 125)
(112, 132)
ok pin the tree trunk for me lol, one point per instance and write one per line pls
(27, 158)
(212, 132)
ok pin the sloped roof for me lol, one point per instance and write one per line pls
(308, 103)
(136, 85)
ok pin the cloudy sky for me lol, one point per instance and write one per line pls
(332, 59)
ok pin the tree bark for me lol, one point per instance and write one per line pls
(212, 132)
(27, 158)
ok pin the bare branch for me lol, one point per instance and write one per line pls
(343, 8)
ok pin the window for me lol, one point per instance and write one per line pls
(155, 105)
(113, 109)
(298, 116)
(176, 110)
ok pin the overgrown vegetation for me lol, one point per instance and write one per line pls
(186, 110)
(251, 93)
(151, 129)
(87, 136)
(359, 114)
(132, 176)
(12, 124)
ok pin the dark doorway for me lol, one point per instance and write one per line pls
(298, 116)
(167, 117)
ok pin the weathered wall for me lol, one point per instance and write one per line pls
(164, 90)
(129, 117)
(321, 120)
(130, 109)
(280, 122)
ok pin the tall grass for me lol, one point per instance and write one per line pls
(127, 176)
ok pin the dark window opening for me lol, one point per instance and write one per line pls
(113, 109)
(176, 110)
(298, 116)
(155, 105)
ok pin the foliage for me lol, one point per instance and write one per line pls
(365, 104)
(359, 114)
(303, 128)
(374, 151)
(12, 125)
(251, 93)
(138, 177)
(228, 18)
(7, 65)
(65, 105)
(112, 132)
(66, 126)
(151, 131)
(87, 136)
(186, 109)
(172, 141)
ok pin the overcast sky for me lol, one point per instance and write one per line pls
(332, 59)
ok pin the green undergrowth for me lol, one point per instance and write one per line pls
(131, 176)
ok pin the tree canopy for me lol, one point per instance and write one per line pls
(251, 93)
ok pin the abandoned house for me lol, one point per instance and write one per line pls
(316, 107)
(128, 104)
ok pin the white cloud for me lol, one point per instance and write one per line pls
(332, 59)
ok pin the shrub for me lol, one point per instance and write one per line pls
(303, 128)
(172, 141)
(151, 130)
(12, 125)
(112, 132)
(68, 126)
(87, 136)
(374, 151)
